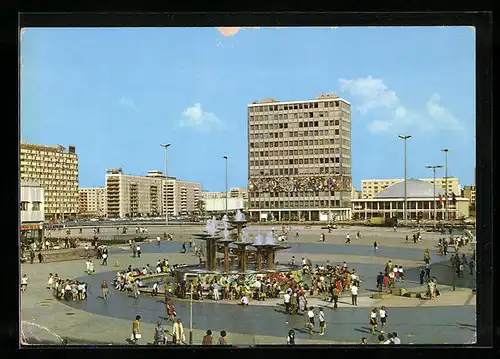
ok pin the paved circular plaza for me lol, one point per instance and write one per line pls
(448, 319)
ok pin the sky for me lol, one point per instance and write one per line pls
(116, 94)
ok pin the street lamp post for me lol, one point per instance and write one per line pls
(405, 209)
(191, 316)
(166, 146)
(434, 198)
(226, 158)
(446, 183)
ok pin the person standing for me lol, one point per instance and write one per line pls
(427, 270)
(354, 294)
(363, 341)
(104, 290)
(207, 338)
(373, 320)
(286, 300)
(24, 283)
(104, 259)
(40, 257)
(375, 246)
(322, 321)
(290, 339)
(223, 338)
(383, 318)
(335, 297)
(138, 251)
(178, 332)
(310, 317)
(134, 250)
(158, 240)
(422, 275)
(32, 257)
(159, 334)
(136, 332)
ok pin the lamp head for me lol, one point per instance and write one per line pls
(225, 157)
(165, 145)
(404, 137)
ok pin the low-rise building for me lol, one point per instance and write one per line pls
(32, 208)
(370, 188)
(425, 202)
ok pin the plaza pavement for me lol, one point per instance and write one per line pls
(447, 319)
(385, 237)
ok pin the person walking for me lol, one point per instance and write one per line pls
(171, 310)
(347, 239)
(223, 338)
(32, 257)
(159, 334)
(136, 332)
(286, 301)
(310, 317)
(158, 240)
(322, 321)
(290, 339)
(207, 338)
(427, 270)
(104, 259)
(134, 250)
(178, 332)
(40, 257)
(138, 251)
(375, 246)
(104, 290)
(373, 320)
(383, 318)
(335, 297)
(354, 294)
(422, 275)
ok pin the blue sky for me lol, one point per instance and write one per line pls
(116, 94)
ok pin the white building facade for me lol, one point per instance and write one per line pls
(32, 210)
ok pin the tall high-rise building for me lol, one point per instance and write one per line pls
(92, 202)
(130, 196)
(299, 159)
(56, 170)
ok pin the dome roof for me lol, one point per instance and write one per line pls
(414, 189)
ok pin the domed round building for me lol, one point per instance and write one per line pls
(425, 201)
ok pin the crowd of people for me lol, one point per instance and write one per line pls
(67, 289)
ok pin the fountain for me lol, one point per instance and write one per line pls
(239, 246)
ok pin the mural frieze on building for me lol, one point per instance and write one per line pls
(295, 184)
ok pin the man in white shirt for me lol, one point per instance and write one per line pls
(395, 338)
(310, 318)
(158, 239)
(354, 294)
(24, 283)
(286, 300)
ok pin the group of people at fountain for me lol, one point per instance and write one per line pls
(67, 289)
(392, 274)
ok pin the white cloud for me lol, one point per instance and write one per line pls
(128, 103)
(372, 95)
(441, 117)
(196, 118)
